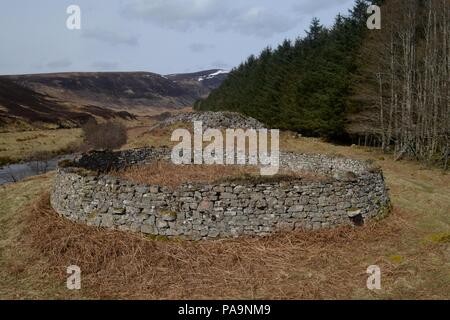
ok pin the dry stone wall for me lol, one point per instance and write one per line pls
(351, 194)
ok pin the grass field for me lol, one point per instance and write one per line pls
(411, 246)
(21, 145)
(17, 146)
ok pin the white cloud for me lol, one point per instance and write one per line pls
(308, 7)
(54, 65)
(110, 37)
(220, 65)
(200, 47)
(261, 22)
(183, 15)
(58, 64)
(177, 14)
(105, 65)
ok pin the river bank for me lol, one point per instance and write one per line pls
(16, 172)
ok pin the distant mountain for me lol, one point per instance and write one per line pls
(23, 108)
(200, 84)
(204, 81)
(68, 99)
(124, 90)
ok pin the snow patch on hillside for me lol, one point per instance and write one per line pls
(212, 75)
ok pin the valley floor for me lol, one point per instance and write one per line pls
(19, 146)
(411, 246)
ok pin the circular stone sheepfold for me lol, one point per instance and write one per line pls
(351, 193)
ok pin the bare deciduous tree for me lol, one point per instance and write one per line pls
(410, 66)
(109, 135)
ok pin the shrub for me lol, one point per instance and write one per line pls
(5, 160)
(66, 164)
(106, 136)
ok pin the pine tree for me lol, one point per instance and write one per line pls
(302, 86)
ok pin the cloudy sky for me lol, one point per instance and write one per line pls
(162, 36)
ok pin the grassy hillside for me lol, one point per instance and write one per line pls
(116, 90)
(22, 109)
(18, 146)
(22, 145)
(66, 100)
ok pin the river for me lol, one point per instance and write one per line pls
(16, 172)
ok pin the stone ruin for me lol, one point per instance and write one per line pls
(352, 193)
(220, 119)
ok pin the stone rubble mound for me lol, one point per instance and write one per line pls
(220, 120)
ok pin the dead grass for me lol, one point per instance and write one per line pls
(301, 265)
(171, 175)
(411, 247)
(152, 135)
(17, 146)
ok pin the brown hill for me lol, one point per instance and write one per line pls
(69, 99)
(200, 83)
(21, 107)
(123, 90)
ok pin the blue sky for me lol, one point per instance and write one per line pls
(162, 36)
